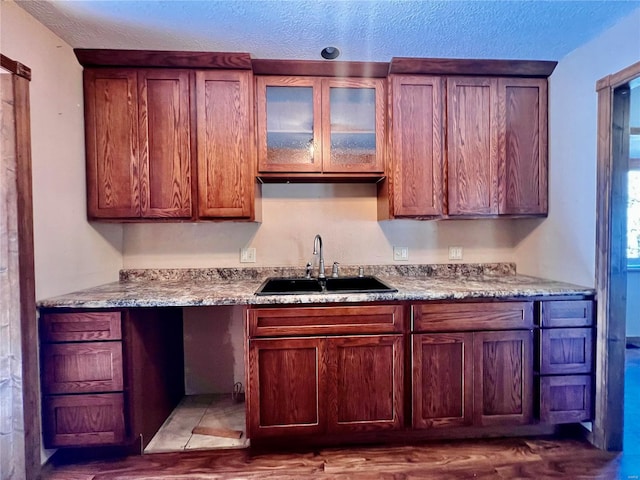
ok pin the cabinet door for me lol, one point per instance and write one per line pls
(522, 126)
(353, 125)
(566, 350)
(289, 124)
(165, 143)
(565, 399)
(111, 116)
(225, 144)
(365, 378)
(503, 377)
(286, 387)
(472, 145)
(442, 380)
(82, 420)
(416, 143)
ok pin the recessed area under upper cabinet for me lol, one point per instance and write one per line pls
(320, 125)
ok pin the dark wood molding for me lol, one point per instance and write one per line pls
(619, 78)
(29, 331)
(611, 276)
(160, 58)
(456, 66)
(321, 68)
(15, 67)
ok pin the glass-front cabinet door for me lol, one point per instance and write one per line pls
(353, 125)
(289, 121)
(320, 125)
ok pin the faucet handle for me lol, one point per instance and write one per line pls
(309, 269)
(334, 272)
(361, 271)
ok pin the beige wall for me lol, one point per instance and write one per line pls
(70, 254)
(563, 246)
(345, 216)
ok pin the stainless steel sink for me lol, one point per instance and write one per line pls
(296, 286)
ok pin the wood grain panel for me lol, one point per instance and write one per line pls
(416, 145)
(267, 161)
(565, 399)
(447, 317)
(472, 146)
(165, 143)
(503, 377)
(365, 383)
(463, 66)
(72, 420)
(319, 68)
(523, 146)
(442, 380)
(225, 138)
(566, 350)
(326, 320)
(90, 57)
(353, 159)
(81, 326)
(287, 394)
(566, 313)
(82, 367)
(111, 127)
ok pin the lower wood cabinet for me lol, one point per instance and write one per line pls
(325, 384)
(472, 378)
(565, 361)
(109, 378)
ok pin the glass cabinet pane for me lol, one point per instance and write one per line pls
(353, 126)
(290, 125)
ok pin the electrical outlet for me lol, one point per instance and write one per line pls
(400, 254)
(455, 253)
(248, 255)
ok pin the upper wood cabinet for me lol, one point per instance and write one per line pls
(138, 143)
(226, 149)
(497, 146)
(416, 146)
(492, 131)
(313, 125)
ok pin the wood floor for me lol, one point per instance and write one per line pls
(537, 458)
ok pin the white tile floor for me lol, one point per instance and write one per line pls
(218, 411)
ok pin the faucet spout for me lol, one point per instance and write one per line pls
(317, 250)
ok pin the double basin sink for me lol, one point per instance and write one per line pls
(298, 286)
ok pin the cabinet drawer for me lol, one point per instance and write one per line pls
(566, 313)
(81, 326)
(83, 420)
(82, 367)
(267, 322)
(448, 317)
(566, 350)
(565, 399)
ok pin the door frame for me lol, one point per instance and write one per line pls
(611, 270)
(22, 279)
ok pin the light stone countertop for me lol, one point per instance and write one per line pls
(228, 286)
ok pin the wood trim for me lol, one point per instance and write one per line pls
(24, 202)
(89, 57)
(610, 262)
(456, 66)
(15, 67)
(320, 68)
(619, 78)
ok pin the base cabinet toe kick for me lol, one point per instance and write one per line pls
(324, 374)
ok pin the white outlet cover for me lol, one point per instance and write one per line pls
(400, 254)
(248, 255)
(455, 253)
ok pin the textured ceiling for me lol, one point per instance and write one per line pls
(373, 30)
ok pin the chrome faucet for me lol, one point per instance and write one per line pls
(317, 250)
